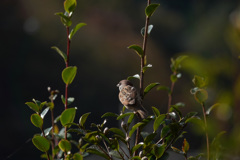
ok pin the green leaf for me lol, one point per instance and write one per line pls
(65, 20)
(158, 121)
(109, 114)
(149, 87)
(41, 143)
(179, 60)
(130, 119)
(77, 156)
(173, 78)
(216, 141)
(197, 121)
(177, 150)
(33, 106)
(201, 95)
(69, 74)
(136, 76)
(185, 146)
(124, 115)
(150, 27)
(97, 152)
(137, 49)
(83, 119)
(156, 111)
(61, 53)
(150, 138)
(159, 150)
(67, 116)
(146, 67)
(136, 147)
(200, 82)
(115, 154)
(65, 145)
(165, 131)
(75, 29)
(44, 112)
(36, 120)
(164, 88)
(212, 107)
(117, 131)
(151, 9)
(70, 5)
(134, 128)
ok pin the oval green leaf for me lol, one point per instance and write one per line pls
(61, 53)
(134, 128)
(65, 145)
(149, 87)
(67, 116)
(41, 143)
(151, 9)
(37, 120)
(117, 131)
(32, 106)
(70, 5)
(69, 74)
(75, 29)
(201, 95)
(109, 114)
(137, 49)
(77, 156)
(83, 119)
(158, 122)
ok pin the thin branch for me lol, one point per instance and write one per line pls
(124, 152)
(104, 151)
(206, 130)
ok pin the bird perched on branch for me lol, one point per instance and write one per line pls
(130, 98)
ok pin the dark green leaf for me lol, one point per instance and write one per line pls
(65, 20)
(196, 120)
(65, 145)
(117, 131)
(164, 88)
(164, 156)
(151, 9)
(41, 143)
(216, 140)
(136, 157)
(159, 150)
(70, 5)
(133, 129)
(130, 119)
(137, 49)
(201, 95)
(33, 106)
(136, 147)
(44, 112)
(37, 120)
(136, 76)
(150, 138)
(67, 116)
(149, 87)
(156, 111)
(124, 115)
(75, 29)
(179, 60)
(115, 154)
(158, 121)
(97, 152)
(83, 119)
(69, 74)
(109, 114)
(61, 53)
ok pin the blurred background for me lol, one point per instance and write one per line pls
(207, 31)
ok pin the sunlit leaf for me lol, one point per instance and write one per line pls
(117, 131)
(75, 29)
(137, 49)
(199, 81)
(77, 156)
(70, 5)
(65, 20)
(177, 150)
(83, 119)
(212, 107)
(109, 114)
(37, 120)
(65, 145)
(130, 119)
(33, 106)
(136, 76)
(146, 67)
(158, 121)
(67, 116)
(44, 112)
(124, 115)
(156, 111)
(69, 74)
(151, 9)
(159, 150)
(149, 87)
(185, 146)
(41, 143)
(136, 147)
(61, 53)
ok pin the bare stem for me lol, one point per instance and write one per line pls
(66, 87)
(206, 130)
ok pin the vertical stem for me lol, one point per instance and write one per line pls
(53, 138)
(206, 130)
(170, 96)
(67, 63)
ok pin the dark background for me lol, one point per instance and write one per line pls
(207, 31)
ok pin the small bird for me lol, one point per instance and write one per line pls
(130, 98)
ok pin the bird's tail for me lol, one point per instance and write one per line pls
(142, 113)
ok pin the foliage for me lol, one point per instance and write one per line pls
(116, 142)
